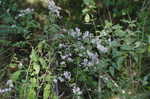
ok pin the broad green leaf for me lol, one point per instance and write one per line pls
(114, 44)
(43, 62)
(31, 94)
(48, 77)
(34, 56)
(15, 76)
(112, 71)
(86, 10)
(33, 82)
(47, 91)
(141, 50)
(36, 67)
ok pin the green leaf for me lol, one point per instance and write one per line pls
(86, 10)
(34, 56)
(141, 50)
(31, 94)
(112, 71)
(15, 76)
(120, 33)
(47, 91)
(120, 61)
(48, 77)
(36, 67)
(126, 47)
(89, 2)
(33, 82)
(149, 48)
(43, 62)
(114, 44)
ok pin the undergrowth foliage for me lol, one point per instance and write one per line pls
(48, 55)
(111, 58)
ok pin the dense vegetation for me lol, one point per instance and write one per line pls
(74, 49)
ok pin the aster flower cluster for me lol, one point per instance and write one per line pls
(87, 36)
(76, 90)
(10, 84)
(76, 33)
(82, 47)
(25, 12)
(78, 50)
(53, 8)
(66, 75)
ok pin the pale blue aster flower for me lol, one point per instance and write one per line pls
(67, 75)
(10, 83)
(53, 8)
(86, 34)
(25, 12)
(102, 48)
(76, 90)
(5, 90)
